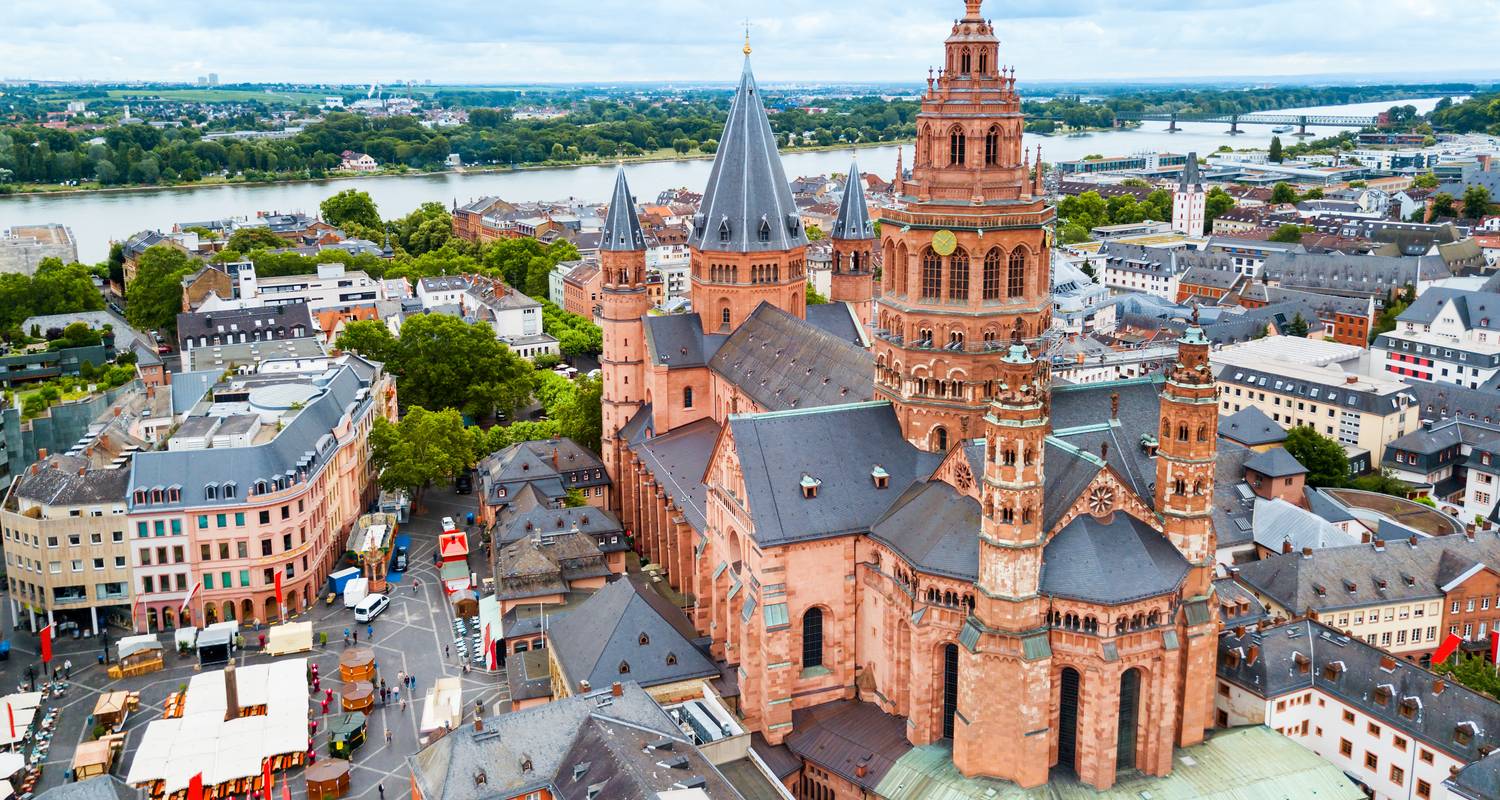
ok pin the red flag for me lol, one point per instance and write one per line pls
(47, 644)
(1446, 649)
(191, 593)
(278, 587)
(1495, 646)
(195, 787)
(266, 779)
(10, 714)
(488, 649)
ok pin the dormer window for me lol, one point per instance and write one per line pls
(1304, 664)
(1382, 695)
(810, 486)
(643, 640)
(724, 231)
(763, 233)
(229, 491)
(210, 492)
(624, 667)
(1463, 734)
(671, 659)
(880, 476)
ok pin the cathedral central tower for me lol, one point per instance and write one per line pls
(965, 247)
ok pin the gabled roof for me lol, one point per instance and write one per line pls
(782, 362)
(627, 625)
(853, 220)
(1276, 463)
(747, 190)
(622, 228)
(935, 528)
(1278, 523)
(1251, 427)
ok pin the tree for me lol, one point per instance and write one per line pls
(812, 296)
(1296, 328)
(1473, 671)
(1283, 193)
(443, 362)
(814, 233)
(154, 298)
(1442, 206)
(1384, 482)
(580, 415)
(1398, 304)
(243, 240)
(1324, 458)
(1477, 202)
(369, 338)
(423, 448)
(1216, 202)
(1289, 233)
(78, 334)
(1088, 269)
(1275, 154)
(351, 205)
(1426, 180)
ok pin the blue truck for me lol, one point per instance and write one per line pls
(400, 551)
(338, 580)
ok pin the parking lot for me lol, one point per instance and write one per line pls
(410, 636)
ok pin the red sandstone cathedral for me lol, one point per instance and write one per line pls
(883, 503)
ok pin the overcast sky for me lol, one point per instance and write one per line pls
(510, 41)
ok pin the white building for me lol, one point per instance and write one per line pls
(515, 317)
(444, 290)
(332, 287)
(23, 247)
(1079, 304)
(1447, 336)
(1398, 729)
(1189, 202)
(1139, 269)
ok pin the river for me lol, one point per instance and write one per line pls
(97, 218)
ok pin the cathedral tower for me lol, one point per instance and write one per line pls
(853, 240)
(1189, 203)
(1006, 637)
(747, 244)
(624, 301)
(965, 247)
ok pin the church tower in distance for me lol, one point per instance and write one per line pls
(853, 240)
(624, 301)
(965, 247)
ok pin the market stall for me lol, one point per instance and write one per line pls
(137, 655)
(444, 706)
(96, 757)
(111, 708)
(216, 642)
(345, 734)
(357, 664)
(328, 779)
(357, 696)
(291, 637)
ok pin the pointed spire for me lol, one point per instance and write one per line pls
(1190, 177)
(622, 228)
(747, 205)
(899, 184)
(853, 220)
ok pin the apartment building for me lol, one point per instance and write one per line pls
(1360, 412)
(1446, 336)
(515, 317)
(231, 326)
(66, 555)
(443, 290)
(265, 478)
(1396, 595)
(332, 287)
(1128, 268)
(1397, 729)
(23, 247)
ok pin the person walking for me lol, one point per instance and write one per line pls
(370, 632)
(403, 705)
(396, 692)
(382, 791)
(401, 676)
(387, 735)
(356, 636)
(68, 669)
(445, 652)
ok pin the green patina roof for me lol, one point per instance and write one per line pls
(1240, 764)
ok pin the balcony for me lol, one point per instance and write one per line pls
(980, 220)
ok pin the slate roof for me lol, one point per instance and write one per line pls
(597, 522)
(1439, 401)
(1251, 427)
(1234, 595)
(844, 735)
(308, 433)
(611, 758)
(100, 787)
(622, 228)
(838, 445)
(677, 341)
(1111, 562)
(747, 187)
(1325, 507)
(1276, 463)
(935, 528)
(544, 735)
(836, 319)
(1360, 670)
(1081, 419)
(604, 634)
(1476, 310)
(57, 482)
(853, 220)
(678, 459)
(1478, 780)
(1350, 577)
(782, 362)
(1278, 523)
(1190, 177)
(1211, 278)
(1368, 275)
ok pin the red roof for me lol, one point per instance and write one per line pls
(452, 545)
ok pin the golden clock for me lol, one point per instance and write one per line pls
(944, 243)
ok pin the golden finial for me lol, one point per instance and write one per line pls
(747, 37)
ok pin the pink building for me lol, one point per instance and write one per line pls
(265, 476)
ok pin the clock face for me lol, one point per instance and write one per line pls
(944, 243)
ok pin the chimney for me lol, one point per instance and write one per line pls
(583, 686)
(1307, 552)
(1412, 540)
(1252, 655)
(231, 693)
(1351, 379)
(1438, 686)
(478, 721)
(41, 454)
(81, 471)
(1286, 545)
(1114, 405)
(617, 689)
(554, 458)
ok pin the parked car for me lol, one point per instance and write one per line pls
(370, 607)
(448, 524)
(464, 484)
(401, 560)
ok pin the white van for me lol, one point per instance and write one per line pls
(370, 607)
(355, 591)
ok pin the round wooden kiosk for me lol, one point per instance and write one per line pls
(358, 696)
(328, 779)
(357, 664)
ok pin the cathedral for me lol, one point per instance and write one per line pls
(884, 501)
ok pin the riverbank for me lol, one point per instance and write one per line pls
(36, 190)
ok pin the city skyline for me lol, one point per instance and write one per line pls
(698, 41)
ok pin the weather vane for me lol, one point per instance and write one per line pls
(747, 36)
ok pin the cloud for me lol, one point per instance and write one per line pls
(698, 40)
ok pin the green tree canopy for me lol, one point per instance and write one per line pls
(154, 299)
(351, 205)
(1275, 153)
(1324, 458)
(1296, 327)
(423, 448)
(1477, 202)
(1289, 233)
(243, 240)
(1283, 193)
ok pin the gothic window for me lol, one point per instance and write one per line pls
(812, 638)
(991, 282)
(1016, 281)
(1179, 486)
(958, 275)
(724, 316)
(964, 63)
(1202, 433)
(899, 267)
(932, 274)
(956, 146)
(854, 262)
(984, 62)
(1182, 434)
(924, 146)
(687, 397)
(992, 146)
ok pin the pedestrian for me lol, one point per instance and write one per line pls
(68, 669)
(403, 705)
(356, 636)
(370, 632)
(401, 676)
(382, 791)
(413, 680)
(396, 692)
(445, 652)
(387, 735)
(382, 695)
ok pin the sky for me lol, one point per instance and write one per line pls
(600, 41)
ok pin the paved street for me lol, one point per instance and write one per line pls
(408, 637)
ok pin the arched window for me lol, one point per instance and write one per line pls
(984, 62)
(991, 285)
(1202, 433)
(958, 275)
(812, 638)
(687, 397)
(1016, 280)
(992, 146)
(924, 146)
(956, 146)
(932, 274)
(643, 640)
(939, 439)
(724, 316)
(965, 63)
(899, 266)
(1182, 435)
